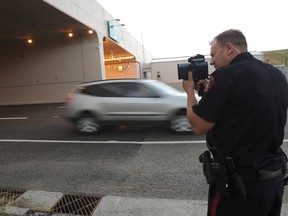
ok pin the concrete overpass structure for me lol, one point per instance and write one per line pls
(40, 62)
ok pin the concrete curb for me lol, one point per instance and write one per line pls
(125, 206)
(32, 201)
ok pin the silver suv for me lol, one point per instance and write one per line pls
(95, 104)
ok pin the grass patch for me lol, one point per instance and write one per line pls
(276, 57)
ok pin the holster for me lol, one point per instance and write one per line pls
(221, 171)
(215, 173)
(223, 175)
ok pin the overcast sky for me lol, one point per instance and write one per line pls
(185, 27)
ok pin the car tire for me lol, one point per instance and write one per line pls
(87, 124)
(180, 124)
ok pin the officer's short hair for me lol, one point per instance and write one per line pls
(233, 36)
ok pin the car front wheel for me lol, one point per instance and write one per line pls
(180, 124)
(87, 124)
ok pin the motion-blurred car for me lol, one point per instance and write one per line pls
(92, 105)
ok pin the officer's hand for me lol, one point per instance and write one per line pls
(188, 85)
(202, 83)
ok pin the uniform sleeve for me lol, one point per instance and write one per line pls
(215, 99)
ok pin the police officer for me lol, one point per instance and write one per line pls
(244, 108)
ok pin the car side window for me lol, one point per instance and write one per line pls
(100, 90)
(113, 90)
(139, 90)
(121, 89)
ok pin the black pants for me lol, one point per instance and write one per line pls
(264, 198)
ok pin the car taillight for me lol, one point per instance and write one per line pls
(69, 98)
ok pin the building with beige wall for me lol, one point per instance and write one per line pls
(40, 62)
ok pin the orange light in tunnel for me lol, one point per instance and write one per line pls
(119, 58)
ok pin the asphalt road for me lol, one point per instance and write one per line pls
(40, 150)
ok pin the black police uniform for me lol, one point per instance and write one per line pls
(247, 100)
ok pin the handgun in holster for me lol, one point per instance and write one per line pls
(205, 158)
(215, 173)
(221, 171)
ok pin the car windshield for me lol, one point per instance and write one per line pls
(163, 88)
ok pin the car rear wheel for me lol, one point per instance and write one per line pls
(180, 124)
(87, 124)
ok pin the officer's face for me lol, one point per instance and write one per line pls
(219, 57)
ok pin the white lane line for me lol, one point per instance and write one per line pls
(14, 118)
(109, 141)
(112, 141)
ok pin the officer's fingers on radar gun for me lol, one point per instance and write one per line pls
(188, 85)
(201, 83)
